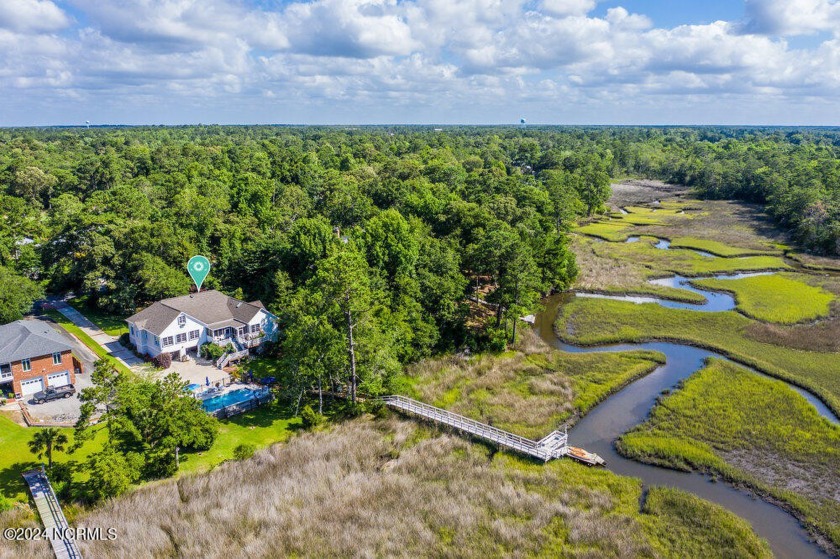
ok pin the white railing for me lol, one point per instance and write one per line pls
(552, 446)
(228, 357)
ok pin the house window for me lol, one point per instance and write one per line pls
(5, 371)
(182, 320)
(194, 334)
(56, 358)
(131, 329)
(167, 341)
(157, 341)
(255, 328)
(180, 338)
(145, 335)
(220, 333)
(27, 366)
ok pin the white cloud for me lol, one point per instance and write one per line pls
(564, 8)
(31, 15)
(792, 17)
(416, 56)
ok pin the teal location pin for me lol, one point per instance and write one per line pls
(198, 267)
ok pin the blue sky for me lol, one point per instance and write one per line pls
(420, 61)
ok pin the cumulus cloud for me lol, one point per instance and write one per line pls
(792, 17)
(428, 55)
(31, 15)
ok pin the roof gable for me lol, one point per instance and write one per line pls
(211, 307)
(25, 339)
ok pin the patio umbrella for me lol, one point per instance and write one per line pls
(207, 381)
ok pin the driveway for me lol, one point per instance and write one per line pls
(110, 343)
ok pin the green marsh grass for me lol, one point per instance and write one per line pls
(718, 248)
(598, 321)
(529, 394)
(775, 298)
(749, 429)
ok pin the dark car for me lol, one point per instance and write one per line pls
(54, 393)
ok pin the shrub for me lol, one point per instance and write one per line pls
(243, 451)
(310, 418)
(125, 341)
(162, 361)
(211, 351)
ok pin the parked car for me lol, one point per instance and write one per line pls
(54, 393)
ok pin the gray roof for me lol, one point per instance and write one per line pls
(213, 308)
(26, 339)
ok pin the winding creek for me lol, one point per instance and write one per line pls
(598, 430)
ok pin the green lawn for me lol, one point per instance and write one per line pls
(260, 427)
(16, 458)
(68, 325)
(527, 394)
(597, 321)
(111, 324)
(775, 298)
(791, 452)
(718, 248)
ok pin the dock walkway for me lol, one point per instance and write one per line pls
(555, 445)
(53, 519)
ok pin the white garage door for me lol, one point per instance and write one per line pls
(59, 379)
(31, 386)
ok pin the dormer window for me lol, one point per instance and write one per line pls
(182, 320)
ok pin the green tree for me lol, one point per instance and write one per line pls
(17, 294)
(45, 441)
(111, 472)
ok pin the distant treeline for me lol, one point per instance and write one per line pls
(794, 172)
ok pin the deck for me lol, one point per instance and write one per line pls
(51, 516)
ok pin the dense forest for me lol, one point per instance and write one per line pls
(416, 240)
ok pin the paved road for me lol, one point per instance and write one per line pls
(110, 343)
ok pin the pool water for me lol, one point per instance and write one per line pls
(233, 397)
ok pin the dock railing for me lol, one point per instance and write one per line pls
(552, 446)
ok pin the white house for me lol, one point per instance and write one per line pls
(183, 323)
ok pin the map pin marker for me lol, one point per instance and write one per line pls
(198, 267)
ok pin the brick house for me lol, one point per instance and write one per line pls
(33, 357)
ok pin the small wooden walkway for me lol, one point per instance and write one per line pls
(555, 445)
(53, 519)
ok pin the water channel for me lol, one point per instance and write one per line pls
(598, 430)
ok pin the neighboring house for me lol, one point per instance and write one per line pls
(33, 356)
(183, 323)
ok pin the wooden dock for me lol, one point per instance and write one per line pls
(555, 445)
(51, 516)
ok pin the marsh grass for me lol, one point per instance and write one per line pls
(527, 393)
(752, 430)
(598, 321)
(718, 248)
(607, 230)
(378, 489)
(683, 261)
(775, 298)
(620, 276)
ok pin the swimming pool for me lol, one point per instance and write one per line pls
(230, 398)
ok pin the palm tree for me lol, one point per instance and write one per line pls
(45, 441)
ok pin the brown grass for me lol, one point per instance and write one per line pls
(388, 488)
(367, 489)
